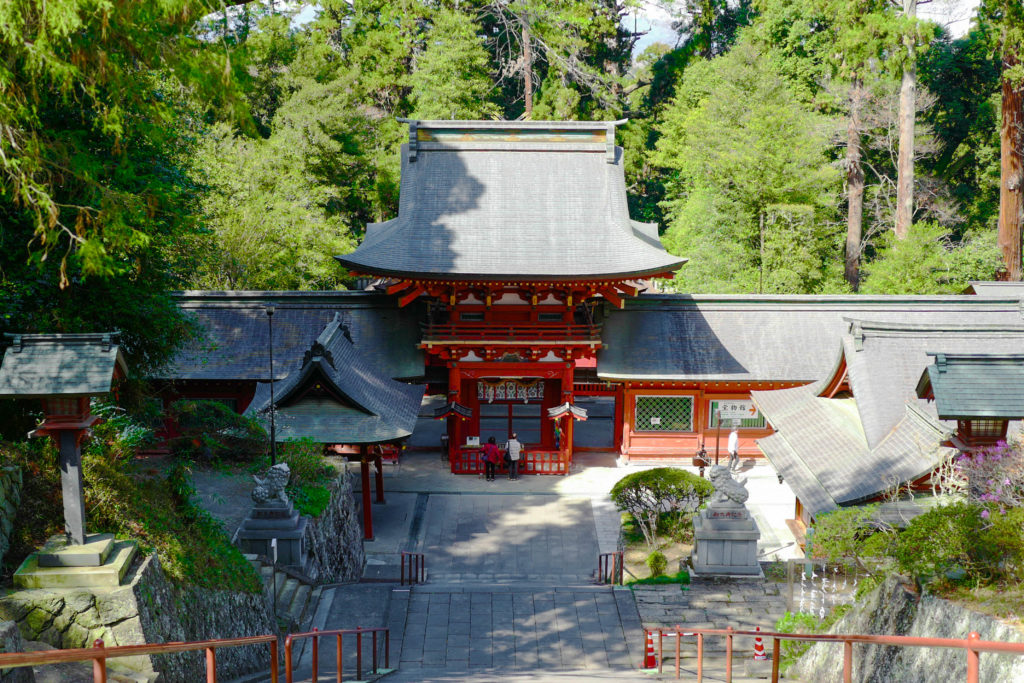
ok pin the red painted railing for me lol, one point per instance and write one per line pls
(532, 461)
(511, 332)
(972, 644)
(339, 634)
(610, 568)
(414, 568)
(99, 654)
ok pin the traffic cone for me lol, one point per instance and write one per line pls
(759, 652)
(650, 660)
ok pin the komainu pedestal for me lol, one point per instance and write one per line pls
(274, 521)
(725, 535)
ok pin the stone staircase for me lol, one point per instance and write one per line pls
(522, 580)
(296, 597)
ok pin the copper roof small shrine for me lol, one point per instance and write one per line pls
(337, 397)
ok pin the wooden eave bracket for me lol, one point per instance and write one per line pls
(612, 296)
(411, 296)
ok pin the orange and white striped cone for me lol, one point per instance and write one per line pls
(759, 652)
(650, 659)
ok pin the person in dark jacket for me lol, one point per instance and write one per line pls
(491, 457)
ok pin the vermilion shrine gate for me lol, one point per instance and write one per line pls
(515, 232)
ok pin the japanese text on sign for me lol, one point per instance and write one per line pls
(738, 410)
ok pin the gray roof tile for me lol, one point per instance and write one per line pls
(235, 333)
(975, 385)
(763, 338)
(38, 365)
(511, 209)
(374, 407)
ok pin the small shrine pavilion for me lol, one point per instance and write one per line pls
(982, 392)
(337, 398)
(514, 233)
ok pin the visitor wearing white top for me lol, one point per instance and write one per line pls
(514, 450)
(734, 450)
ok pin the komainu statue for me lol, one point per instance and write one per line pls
(726, 488)
(270, 488)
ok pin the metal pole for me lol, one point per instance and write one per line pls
(211, 665)
(273, 407)
(776, 653)
(847, 661)
(700, 657)
(718, 435)
(728, 654)
(973, 662)
(316, 656)
(273, 661)
(99, 664)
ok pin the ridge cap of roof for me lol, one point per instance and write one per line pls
(858, 326)
(502, 124)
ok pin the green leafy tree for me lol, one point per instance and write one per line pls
(751, 189)
(928, 261)
(85, 90)
(452, 78)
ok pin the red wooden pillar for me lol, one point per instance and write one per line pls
(379, 477)
(364, 467)
(455, 422)
(567, 397)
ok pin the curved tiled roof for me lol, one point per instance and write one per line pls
(360, 405)
(534, 201)
(233, 333)
(739, 337)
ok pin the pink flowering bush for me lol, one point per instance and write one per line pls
(995, 477)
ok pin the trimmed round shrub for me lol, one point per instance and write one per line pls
(649, 493)
(657, 563)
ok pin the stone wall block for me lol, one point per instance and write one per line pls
(895, 608)
(149, 609)
(11, 641)
(334, 539)
(10, 498)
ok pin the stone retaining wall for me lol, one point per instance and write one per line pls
(148, 608)
(10, 641)
(896, 608)
(10, 497)
(334, 540)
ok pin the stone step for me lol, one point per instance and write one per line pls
(512, 579)
(300, 600)
(279, 580)
(285, 596)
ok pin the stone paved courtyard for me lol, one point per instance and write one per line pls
(510, 593)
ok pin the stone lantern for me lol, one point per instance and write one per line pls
(64, 371)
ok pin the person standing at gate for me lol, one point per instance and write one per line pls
(514, 450)
(491, 456)
(734, 450)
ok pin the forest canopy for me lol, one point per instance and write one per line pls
(784, 146)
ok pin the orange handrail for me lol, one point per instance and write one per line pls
(972, 644)
(316, 634)
(99, 654)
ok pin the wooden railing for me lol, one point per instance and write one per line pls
(413, 568)
(610, 568)
(99, 654)
(531, 461)
(358, 632)
(510, 331)
(973, 645)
